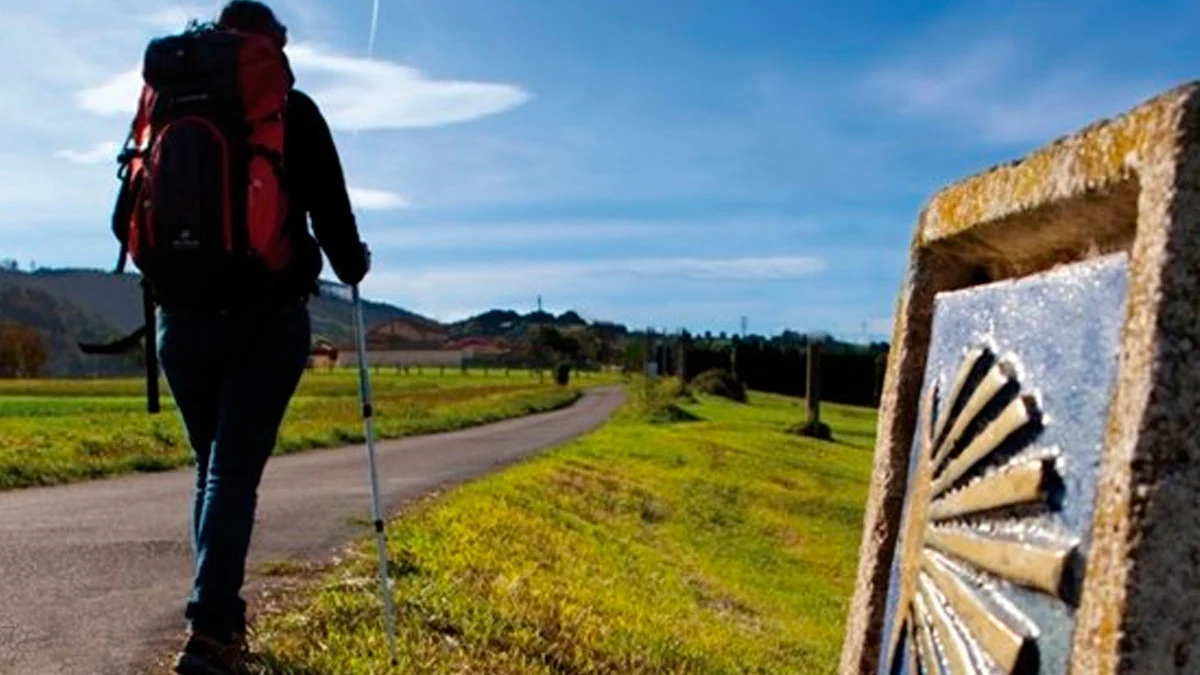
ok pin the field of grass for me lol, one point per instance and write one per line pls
(691, 538)
(55, 431)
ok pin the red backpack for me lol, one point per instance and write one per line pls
(203, 203)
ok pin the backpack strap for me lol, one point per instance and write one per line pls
(129, 173)
(124, 345)
(118, 346)
(151, 349)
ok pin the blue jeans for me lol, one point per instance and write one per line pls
(232, 378)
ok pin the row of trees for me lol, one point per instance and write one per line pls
(23, 352)
(849, 373)
(585, 346)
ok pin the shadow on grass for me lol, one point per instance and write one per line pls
(672, 414)
(270, 664)
(855, 442)
(817, 430)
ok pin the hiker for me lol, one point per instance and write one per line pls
(233, 338)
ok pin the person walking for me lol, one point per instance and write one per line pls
(232, 337)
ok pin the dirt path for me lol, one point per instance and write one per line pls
(93, 575)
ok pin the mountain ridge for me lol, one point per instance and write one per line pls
(69, 305)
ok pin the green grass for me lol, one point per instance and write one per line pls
(57, 431)
(679, 538)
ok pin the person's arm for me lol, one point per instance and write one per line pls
(332, 217)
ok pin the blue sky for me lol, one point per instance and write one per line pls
(668, 162)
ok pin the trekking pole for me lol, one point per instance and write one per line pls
(364, 386)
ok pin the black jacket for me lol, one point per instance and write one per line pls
(316, 190)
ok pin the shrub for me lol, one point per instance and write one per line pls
(718, 382)
(562, 374)
(658, 402)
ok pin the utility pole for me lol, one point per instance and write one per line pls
(647, 360)
(733, 359)
(812, 387)
(812, 393)
(682, 358)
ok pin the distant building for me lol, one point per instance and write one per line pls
(404, 341)
(407, 333)
(480, 347)
(411, 341)
(323, 355)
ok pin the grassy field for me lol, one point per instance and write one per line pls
(55, 431)
(697, 538)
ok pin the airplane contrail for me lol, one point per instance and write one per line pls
(370, 41)
(374, 27)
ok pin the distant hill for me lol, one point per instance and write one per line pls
(71, 305)
(117, 299)
(510, 324)
(62, 324)
(332, 313)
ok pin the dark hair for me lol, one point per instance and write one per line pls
(252, 17)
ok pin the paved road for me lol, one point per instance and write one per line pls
(92, 575)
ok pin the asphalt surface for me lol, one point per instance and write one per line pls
(93, 575)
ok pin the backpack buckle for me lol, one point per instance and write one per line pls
(128, 154)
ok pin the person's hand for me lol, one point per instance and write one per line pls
(366, 262)
(354, 269)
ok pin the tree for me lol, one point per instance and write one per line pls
(569, 348)
(548, 343)
(33, 354)
(589, 344)
(541, 341)
(791, 338)
(22, 351)
(602, 345)
(10, 352)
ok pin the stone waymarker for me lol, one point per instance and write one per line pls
(1035, 501)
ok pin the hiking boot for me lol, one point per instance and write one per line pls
(202, 655)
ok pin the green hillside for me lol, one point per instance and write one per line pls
(716, 543)
(72, 305)
(61, 324)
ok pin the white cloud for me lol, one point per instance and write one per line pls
(375, 200)
(83, 59)
(361, 94)
(174, 18)
(990, 89)
(493, 235)
(660, 282)
(104, 151)
(527, 276)
(355, 94)
(116, 96)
